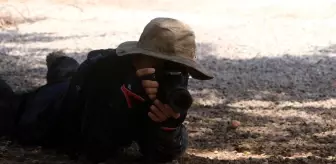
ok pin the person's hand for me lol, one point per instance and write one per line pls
(158, 112)
(161, 112)
(151, 87)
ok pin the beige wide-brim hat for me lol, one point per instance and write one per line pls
(168, 39)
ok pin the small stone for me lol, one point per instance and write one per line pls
(235, 124)
(3, 148)
(20, 158)
(243, 148)
(35, 161)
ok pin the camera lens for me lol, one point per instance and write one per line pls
(180, 100)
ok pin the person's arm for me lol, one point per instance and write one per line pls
(165, 138)
(159, 144)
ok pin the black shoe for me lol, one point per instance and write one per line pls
(60, 67)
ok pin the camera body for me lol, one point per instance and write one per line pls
(173, 88)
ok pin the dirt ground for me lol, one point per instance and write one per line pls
(274, 66)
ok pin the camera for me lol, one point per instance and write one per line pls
(173, 83)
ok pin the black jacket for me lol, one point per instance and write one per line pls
(95, 118)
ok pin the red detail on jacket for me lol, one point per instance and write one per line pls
(129, 94)
(168, 129)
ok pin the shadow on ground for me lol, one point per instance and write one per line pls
(22, 66)
(253, 91)
(26, 72)
(283, 78)
(285, 104)
(191, 159)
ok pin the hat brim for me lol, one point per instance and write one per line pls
(196, 70)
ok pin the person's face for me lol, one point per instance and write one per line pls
(141, 61)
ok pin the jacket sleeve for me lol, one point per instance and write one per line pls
(164, 142)
(161, 145)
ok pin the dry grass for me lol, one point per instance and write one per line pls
(11, 17)
(8, 20)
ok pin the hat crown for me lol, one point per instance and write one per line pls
(170, 37)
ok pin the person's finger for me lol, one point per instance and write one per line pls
(158, 113)
(152, 97)
(151, 91)
(177, 115)
(150, 84)
(162, 108)
(159, 104)
(145, 71)
(171, 111)
(153, 117)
